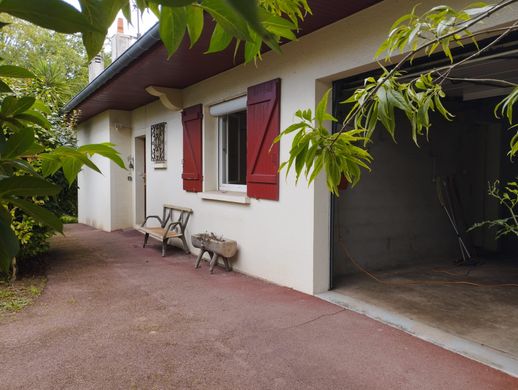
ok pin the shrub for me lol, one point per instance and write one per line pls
(33, 236)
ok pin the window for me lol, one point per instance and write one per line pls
(243, 157)
(232, 143)
(232, 151)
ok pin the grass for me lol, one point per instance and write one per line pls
(15, 296)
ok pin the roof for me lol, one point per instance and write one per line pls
(121, 86)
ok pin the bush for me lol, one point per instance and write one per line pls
(33, 237)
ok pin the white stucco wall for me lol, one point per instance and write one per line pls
(286, 242)
(94, 204)
(121, 193)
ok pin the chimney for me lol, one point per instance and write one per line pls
(95, 67)
(120, 42)
(120, 26)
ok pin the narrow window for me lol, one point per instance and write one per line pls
(232, 151)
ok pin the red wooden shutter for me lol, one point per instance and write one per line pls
(192, 148)
(263, 125)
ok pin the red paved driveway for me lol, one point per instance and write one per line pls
(115, 315)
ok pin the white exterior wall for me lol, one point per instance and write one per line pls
(105, 200)
(286, 242)
(121, 189)
(94, 205)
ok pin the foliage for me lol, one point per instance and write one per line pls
(32, 236)
(507, 197)
(316, 143)
(415, 98)
(21, 186)
(440, 28)
(251, 23)
(505, 109)
(57, 60)
(54, 82)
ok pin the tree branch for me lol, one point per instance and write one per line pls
(410, 54)
(493, 82)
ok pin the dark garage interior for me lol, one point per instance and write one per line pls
(393, 227)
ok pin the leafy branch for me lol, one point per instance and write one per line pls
(21, 186)
(507, 197)
(314, 146)
(377, 101)
(247, 23)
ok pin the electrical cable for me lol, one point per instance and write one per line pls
(417, 282)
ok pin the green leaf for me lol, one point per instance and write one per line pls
(39, 213)
(195, 21)
(12, 106)
(249, 11)
(322, 107)
(71, 168)
(104, 149)
(100, 13)
(34, 117)
(173, 3)
(173, 23)
(19, 165)
(49, 166)
(70, 159)
(56, 15)
(514, 146)
(27, 186)
(253, 48)
(126, 12)
(14, 71)
(219, 41)
(9, 246)
(278, 25)
(4, 88)
(228, 18)
(18, 143)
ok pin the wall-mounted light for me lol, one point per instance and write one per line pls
(131, 167)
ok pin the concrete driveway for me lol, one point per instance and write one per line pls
(116, 316)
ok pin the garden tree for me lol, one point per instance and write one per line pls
(59, 65)
(30, 151)
(58, 61)
(259, 25)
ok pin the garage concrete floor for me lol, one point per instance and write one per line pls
(485, 315)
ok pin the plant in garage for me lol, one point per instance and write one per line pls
(507, 197)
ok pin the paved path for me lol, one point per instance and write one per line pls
(116, 316)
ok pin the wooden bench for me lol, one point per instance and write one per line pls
(169, 226)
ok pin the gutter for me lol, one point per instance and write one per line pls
(143, 44)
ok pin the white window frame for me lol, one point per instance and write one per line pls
(219, 111)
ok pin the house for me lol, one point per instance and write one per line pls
(196, 131)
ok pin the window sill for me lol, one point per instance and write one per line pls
(227, 196)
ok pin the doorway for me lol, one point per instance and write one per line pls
(140, 179)
(393, 245)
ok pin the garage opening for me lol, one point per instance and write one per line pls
(393, 225)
